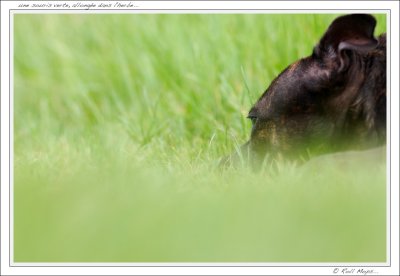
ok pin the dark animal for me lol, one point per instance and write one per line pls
(333, 100)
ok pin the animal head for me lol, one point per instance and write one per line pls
(332, 100)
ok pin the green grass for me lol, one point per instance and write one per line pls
(119, 121)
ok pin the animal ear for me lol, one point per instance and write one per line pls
(353, 32)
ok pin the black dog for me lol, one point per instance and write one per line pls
(333, 100)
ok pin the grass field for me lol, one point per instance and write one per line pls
(119, 121)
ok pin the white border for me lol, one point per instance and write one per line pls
(234, 7)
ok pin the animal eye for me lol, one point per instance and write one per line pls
(253, 119)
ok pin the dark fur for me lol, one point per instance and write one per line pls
(333, 100)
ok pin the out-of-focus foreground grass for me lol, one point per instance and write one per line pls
(119, 121)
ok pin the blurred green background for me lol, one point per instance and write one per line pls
(119, 121)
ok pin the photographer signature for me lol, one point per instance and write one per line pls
(362, 271)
